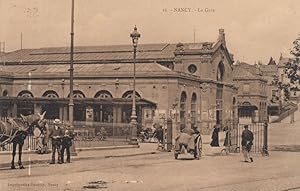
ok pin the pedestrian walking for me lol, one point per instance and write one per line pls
(227, 141)
(215, 136)
(66, 144)
(56, 134)
(159, 132)
(247, 142)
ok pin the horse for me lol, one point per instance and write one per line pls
(15, 131)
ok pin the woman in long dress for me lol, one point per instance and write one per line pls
(215, 137)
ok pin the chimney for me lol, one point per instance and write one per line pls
(222, 37)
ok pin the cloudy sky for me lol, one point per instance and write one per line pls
(255, 29)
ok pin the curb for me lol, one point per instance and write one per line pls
(46, 161)
(107, 148)
(79, 149)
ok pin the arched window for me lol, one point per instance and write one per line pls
(182, 108)
(220, 72)
(219, 104)
(129, 93)
(25, 108)
(50, 94)
(233, 108)
(25, 93)
(5, 93)
(193, 109)
(77, 94)
(103, 94)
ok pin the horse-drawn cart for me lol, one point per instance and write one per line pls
(182, 147)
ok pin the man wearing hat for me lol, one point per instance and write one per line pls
(247, 142)
(66, 143)
(56, 134)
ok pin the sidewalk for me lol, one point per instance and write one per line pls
(84, 154)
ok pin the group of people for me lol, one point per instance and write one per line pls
(157, 132)
(61, 138)
(247, 140)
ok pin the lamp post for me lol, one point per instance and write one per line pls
(63, 96)
(71, 103)
(135, 37)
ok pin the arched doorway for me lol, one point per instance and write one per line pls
(25, 108)
(234, 109)
(52, 110)
(182, 110)
(127, 109)
(248, 112)
(103, 113)
(79, 109)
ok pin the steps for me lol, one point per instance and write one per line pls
(287, 111)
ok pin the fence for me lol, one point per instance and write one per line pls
(258, 133)
(88, 134)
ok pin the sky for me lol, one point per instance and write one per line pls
(255, 29)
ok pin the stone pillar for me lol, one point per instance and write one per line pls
(61, 113)
(119, 114)
(14, 110)
(292, 117)
(37, 108)
(115, 114)
(169, 135)
(65, 113)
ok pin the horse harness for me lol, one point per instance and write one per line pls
(12, 131)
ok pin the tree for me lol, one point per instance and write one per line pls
(292, 70)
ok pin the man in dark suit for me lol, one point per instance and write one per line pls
(66, 144)
(247, 142)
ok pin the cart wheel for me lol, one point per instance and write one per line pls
(198, 149)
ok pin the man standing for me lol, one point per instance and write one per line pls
(56, 134)
(247, 142)
(66, 144)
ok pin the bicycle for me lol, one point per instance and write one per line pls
(234, 148)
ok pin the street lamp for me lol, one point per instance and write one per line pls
(135, 37)
(63, 96)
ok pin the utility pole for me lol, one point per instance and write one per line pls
(71, 103)
(21, 41)
(194, 30)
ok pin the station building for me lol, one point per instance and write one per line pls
(190, 83)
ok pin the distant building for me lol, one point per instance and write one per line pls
(295, 96)
(190, 83)
(269, 72)
(252, 96)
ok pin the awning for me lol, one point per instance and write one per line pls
(81, 101)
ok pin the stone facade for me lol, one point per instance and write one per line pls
(190, 83)
(252, 93)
